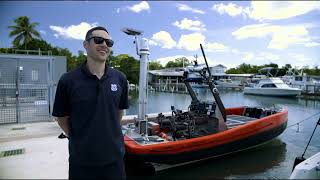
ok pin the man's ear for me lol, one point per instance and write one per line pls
(85, 44)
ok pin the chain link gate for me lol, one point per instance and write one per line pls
(24, 90)
(8, 99)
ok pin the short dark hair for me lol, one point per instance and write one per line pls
(89, 33)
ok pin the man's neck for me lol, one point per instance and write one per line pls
(96, 67)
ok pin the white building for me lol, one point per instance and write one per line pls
(218, 69)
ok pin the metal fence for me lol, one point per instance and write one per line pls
(309, 89)
(25, 89)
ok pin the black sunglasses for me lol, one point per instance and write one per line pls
(99, 40)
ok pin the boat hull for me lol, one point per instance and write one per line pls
(272, 92)
(226, 142)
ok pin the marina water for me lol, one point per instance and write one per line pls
(273, 160)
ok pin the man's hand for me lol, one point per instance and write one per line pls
(63, 122)
(120, 115)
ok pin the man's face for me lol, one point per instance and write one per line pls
(98, 52)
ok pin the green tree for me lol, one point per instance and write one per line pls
(6, 50)
(171, 64)
(245, 68)
(128, 65)
(179, 62)
(155, 66)
(182, 62)
(253, 69)
(287, 66)
(233, 71)
(39, 44)
(24, 31)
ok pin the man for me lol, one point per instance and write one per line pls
(88, 105)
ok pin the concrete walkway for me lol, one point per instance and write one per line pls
(45, 155)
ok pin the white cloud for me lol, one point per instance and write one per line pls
(230, 9)
(73, 31)
(162, 39)
(43, 32)
(191, 42)
(216, 47)
(254, 30)
(235, 51)
(142, 6)
(275, 10)
(281, 36)
(260, 58)
(183, 7)
(268, 10)
(312, 44)
(188, 24)
(299, 59)
(247, 56)
(267, 57)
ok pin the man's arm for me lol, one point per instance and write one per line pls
(63, 122)
(120, 115)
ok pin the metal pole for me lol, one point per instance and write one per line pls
(214, 90)
(143, 52)
(18, 91)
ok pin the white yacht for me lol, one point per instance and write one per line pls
(227, 83)
(304, 82)
(199, 85)
(197, 72)
(272, 87)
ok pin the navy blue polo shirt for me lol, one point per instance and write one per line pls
(93, 105)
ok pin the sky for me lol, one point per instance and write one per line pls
(231, 32)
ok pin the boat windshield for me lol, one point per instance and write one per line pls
(270, 85)
(203, 93)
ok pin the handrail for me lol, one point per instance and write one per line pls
(29, 52)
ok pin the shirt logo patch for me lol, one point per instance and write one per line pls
(114, 87)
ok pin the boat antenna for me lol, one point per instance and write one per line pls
(135, 33)
(213, 89)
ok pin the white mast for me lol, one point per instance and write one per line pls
(143, 51)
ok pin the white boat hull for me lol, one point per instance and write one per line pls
(272, 91)
(200, 85)
(228, 85)
(307, 169)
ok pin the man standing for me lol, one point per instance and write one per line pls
(88, 105)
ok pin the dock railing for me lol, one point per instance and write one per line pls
(313, 89)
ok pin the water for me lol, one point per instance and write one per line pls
(273, 160)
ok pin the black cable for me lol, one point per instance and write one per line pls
(303, 120)
(311, 137)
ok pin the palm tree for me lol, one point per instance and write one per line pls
(24, 31)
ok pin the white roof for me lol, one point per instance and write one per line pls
(166, 73)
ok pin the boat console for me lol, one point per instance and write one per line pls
(256, 112)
